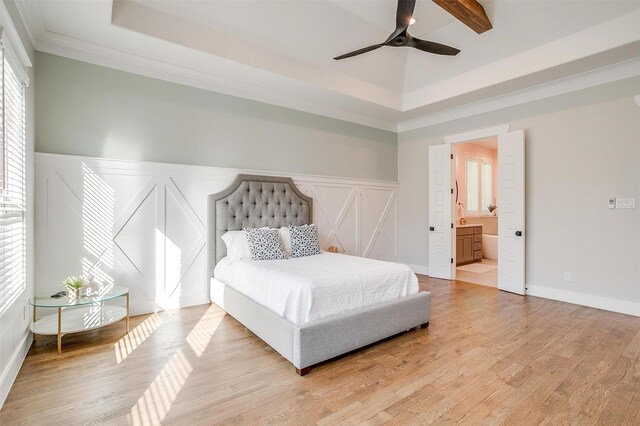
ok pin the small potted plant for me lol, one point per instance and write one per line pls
(73, 285)
(492, 208)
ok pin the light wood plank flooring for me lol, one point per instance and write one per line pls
(488, 357)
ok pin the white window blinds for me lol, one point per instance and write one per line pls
(473, 185)
(12, 185)
(479, 184)
(487, 185)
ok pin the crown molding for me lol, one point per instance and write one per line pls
(49, 42)
(590, 42)
(17, 45)
(31, 18)
(71, 48)
(574, 83)
(68, 47)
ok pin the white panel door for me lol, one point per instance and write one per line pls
(511, 232)
(440, 209)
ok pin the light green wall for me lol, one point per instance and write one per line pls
(89, 110)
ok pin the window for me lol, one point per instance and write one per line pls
(12, 184)
(472, 185)
(487, 185)
(479, 171)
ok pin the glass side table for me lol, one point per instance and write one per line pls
(76, 315)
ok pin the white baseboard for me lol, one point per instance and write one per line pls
(608, 304)
(10, 374)
(419, 269)
(599, 302)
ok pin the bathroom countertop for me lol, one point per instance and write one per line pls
(468, 225)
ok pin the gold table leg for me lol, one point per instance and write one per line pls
(59, 330)
(127, 313)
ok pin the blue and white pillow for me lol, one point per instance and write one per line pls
(304, 240)
(264, 243)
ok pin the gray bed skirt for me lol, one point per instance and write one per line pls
(316, 341)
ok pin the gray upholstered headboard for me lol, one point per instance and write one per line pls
(253, 202)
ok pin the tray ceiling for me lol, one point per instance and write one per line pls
(281, 51)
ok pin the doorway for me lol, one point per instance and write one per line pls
(475, 169)
(443, 207)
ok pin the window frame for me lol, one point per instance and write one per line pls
(13, 175)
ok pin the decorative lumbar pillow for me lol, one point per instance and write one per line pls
(304, 240)
(285, 237)
(264, 243)
(237, 245)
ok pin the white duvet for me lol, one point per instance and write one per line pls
(312, 287)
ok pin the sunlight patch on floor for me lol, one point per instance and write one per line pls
(129, 343)
(200, 336)
(152, 407)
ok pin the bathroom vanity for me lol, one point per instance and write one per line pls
(468, 244)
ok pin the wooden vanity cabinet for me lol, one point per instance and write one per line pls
(468, 244)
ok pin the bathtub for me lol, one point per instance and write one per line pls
(490, 246)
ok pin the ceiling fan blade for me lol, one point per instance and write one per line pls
(404, 13)
(431, 47)
(358, 52)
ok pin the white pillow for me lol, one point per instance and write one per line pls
(237, 245)
(285, 238)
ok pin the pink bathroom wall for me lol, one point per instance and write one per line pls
(460, 151)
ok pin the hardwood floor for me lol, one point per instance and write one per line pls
(488, 357)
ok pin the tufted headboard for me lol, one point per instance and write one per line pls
(253, 202)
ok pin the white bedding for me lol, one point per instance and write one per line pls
(312, 287)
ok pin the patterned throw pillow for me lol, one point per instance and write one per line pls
(304, 240)
(264, 243)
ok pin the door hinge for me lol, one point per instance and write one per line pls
(451, 191)
(451, 225)
(452, 260)
(452, 156)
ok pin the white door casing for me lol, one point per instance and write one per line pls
(511, 225)
(440, 212)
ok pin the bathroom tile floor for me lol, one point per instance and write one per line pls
(489, 278)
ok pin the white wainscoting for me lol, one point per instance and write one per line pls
(146, 222)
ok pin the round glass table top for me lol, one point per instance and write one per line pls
(96, 296)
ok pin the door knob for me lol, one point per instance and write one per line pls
(432, 228)
(518, 233)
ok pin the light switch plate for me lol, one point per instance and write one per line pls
(625, 203)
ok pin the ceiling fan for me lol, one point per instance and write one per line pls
(400, 37)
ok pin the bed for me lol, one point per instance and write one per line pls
(324, 316)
